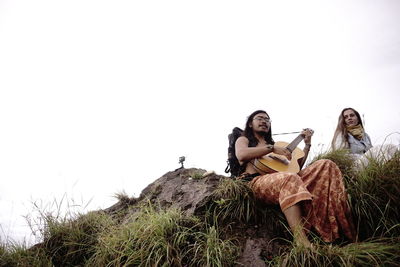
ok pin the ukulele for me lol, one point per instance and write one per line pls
(278, 163)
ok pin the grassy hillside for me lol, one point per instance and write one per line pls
(155, 235)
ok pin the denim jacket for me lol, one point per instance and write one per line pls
(359, 146)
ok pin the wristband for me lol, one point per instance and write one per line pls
(271, 147)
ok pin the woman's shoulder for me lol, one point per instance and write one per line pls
(242, 139)
(351, 139)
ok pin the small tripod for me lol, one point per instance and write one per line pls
(181, 160)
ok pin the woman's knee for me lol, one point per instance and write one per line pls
(327, 163)
(293, 178)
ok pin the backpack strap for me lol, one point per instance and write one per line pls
(233, 165)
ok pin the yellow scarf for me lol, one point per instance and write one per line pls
(356, 131)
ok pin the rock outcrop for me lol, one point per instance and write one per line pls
(188, 191)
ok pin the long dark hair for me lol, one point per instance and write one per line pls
(248, 131)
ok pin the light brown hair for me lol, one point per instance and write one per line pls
(341, 128)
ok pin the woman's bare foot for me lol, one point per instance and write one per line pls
(300, 237)
(293, 216)
(303, 242)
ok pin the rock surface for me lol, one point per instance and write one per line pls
(189, 191)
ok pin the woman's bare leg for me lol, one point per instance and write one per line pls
(294, 218)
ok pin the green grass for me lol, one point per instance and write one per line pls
(70, 242)
(212, 250)
(153, 236)
(380, 252)
(13, 254)
(122, 197)
(374, 193)
(342, 158)
(162, 238)
(234, 202)
(197, 175)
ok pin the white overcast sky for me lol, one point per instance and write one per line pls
(100, 97)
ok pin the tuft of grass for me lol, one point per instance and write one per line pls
(343, 159)
(154, 238)
(197, 175)
(375, 194)
(211, 250)
(71, 241)
(13, 254)
(122, 196)
(163, 238)
(67, 238)
(380, 252)
(233, 201)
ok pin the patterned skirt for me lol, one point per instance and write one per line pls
(320, 190)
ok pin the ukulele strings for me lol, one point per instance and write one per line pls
(286, 133)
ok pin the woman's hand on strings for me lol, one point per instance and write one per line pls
(283, 151)
(307, 133)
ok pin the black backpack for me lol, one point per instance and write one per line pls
(233, 165)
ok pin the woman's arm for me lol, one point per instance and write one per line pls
(307, 140)
(246, 153)
(303, 160)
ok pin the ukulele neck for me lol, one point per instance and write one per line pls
(295, 142)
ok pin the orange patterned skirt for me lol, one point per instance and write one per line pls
(320, 190)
